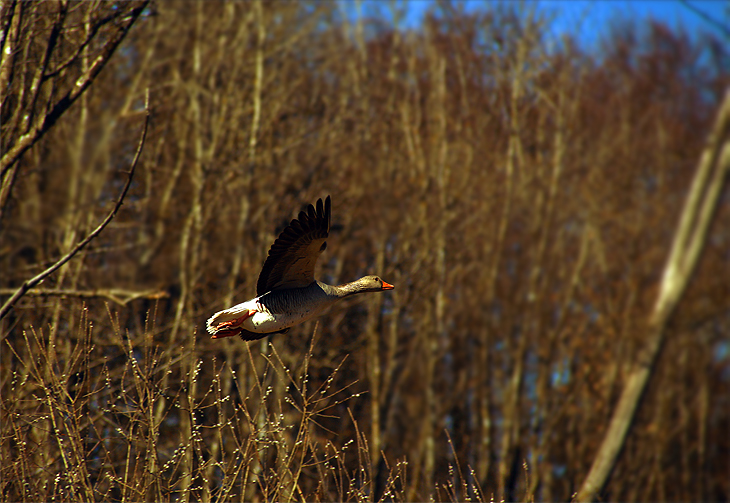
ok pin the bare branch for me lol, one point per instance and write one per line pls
(40, 277)
(117, 295)
(706, 17)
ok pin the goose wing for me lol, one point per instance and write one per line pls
(292, 257)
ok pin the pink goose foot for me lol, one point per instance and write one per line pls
(231, 327)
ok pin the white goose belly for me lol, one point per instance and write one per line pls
(266, 319)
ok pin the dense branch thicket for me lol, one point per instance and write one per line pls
(521, 197)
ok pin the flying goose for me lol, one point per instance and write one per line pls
(287, 293)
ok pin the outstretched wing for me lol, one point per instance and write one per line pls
(292, 257)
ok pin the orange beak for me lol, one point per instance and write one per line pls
(387, 286)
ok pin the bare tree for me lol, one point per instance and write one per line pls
(37, 82)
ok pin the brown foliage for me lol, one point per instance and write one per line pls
(521, 200)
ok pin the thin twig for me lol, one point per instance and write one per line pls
(27, 285)
(117, 295)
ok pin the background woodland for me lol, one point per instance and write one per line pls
(520, 193)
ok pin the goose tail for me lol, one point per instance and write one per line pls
(226, 319)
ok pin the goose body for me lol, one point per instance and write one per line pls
(287, 292)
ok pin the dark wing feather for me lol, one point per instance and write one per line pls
(292, 257)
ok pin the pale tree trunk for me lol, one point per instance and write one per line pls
(189, 252)
(231, 351)
(243, 215)
(689, 240)
(442, 176)
(73, 213)
(485, 403)
(243, 218)
(545, 217)
(375, 307)
(511, 405)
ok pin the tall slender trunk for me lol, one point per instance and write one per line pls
(511, 404)
(689, 240)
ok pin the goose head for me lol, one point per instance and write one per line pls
(362, 285)
(373, 284)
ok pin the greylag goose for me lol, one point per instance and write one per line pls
(287, 293)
